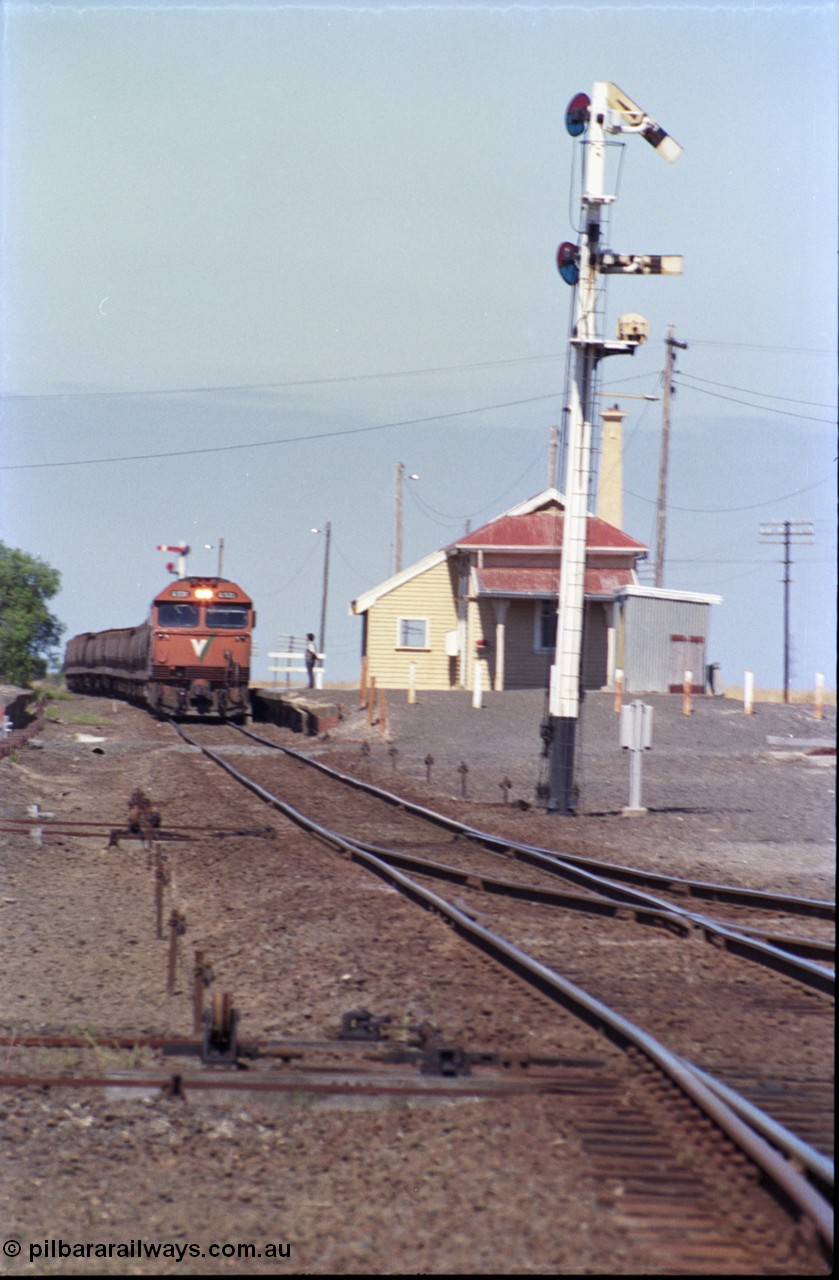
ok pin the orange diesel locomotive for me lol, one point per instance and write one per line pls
(191, 658)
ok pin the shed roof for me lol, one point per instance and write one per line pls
(667, 593)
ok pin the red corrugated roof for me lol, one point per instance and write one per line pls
(543, 530)
(540, 583)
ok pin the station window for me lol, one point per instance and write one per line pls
(545, 637)
(412, 633)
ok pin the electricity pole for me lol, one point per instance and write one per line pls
(397, 514)
(785, 532)
(325, 587)
(327, 532)
(397, 517)
(609, 110)
(670, 344)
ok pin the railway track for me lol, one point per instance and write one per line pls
(686, 1176)
(732, 1113)
(608, 889)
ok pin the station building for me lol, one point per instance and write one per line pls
(486, 604)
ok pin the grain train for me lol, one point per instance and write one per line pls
(191, 657)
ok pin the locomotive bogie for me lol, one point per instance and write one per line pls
(191, 658)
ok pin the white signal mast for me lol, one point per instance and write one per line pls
(608, 111)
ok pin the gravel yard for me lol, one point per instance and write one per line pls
(473, 1186)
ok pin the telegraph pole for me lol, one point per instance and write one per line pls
(397, 514)
(328, 533)
(609, 110)
(670, 345)
(397, 517)
(786, 532)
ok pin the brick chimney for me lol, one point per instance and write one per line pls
(610, 472)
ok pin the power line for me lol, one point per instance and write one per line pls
(714, 560)
(817, 404)
(752, 506)
(457, 520)
(762, 408)
(281, 386)
(753, 346)
(262, 444)
(369, 377)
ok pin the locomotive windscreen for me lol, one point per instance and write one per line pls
(177, 615)
(231, 616)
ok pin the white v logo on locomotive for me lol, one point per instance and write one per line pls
(200, 647)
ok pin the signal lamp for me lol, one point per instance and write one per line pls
(576, 114)
(568, 262)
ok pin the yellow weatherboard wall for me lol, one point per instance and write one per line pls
(429, 595)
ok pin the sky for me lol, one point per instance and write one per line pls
(257, 255)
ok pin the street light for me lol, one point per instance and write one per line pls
(209, 546)
(327, 531)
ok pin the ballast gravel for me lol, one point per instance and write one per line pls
(470, 1186)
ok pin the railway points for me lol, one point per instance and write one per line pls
(317, 911)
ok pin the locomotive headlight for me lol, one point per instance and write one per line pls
(203, 593)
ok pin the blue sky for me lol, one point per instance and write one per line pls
(256, 255)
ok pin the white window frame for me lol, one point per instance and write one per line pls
(413, 621)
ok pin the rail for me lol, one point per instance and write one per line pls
(781, 1170)
(809, 972)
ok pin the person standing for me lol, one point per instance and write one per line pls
(312, 657)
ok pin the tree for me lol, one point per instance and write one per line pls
(29, 633)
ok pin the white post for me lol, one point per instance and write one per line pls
(564, 698)
(749, 692)
(687, 708)
(588, 347)
(819, 707)
(477, 684)
(500, 643)
(412, 683)
(636, 737)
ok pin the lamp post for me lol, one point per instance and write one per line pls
(327, 531)
(209, 546)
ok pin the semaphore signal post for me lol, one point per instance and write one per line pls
(608, 112)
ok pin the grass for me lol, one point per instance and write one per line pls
(59, 716)
(53, 689)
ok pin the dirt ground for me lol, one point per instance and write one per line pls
(473, 1186)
